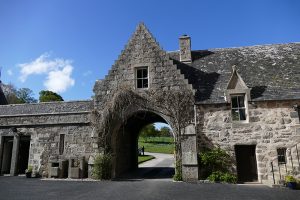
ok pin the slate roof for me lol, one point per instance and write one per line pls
(272, 71)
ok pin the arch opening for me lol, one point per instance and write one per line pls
(126, 150)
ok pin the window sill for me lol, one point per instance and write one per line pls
(142, 88)
(238, 124)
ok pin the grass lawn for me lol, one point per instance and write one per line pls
(157, 144)
(145, 158)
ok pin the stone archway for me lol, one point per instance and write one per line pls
(123, 117)
(125, 141)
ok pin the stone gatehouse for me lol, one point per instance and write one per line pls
(246, 102)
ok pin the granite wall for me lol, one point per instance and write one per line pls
(272, 124)
(44, 123)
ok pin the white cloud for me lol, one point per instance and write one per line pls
(10, 72)
(58, 71)
(60, 81)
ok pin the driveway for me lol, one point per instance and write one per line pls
(161, 167)
(153, 189)
(161, 160)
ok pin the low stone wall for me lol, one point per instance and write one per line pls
(44, 144)
(47, 107)
(44, 119)
(271, 125)
(44, 123)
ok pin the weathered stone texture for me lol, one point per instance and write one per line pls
(48, 107)
(45, 144)
(271, 126)
(44, 123)
(142, 50)
(42, 119)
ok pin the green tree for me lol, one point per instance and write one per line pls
(47, 96)
(25, 95)
(149, 131)
(18, 96)
(165, 131)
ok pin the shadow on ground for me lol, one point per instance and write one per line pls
(148, 173)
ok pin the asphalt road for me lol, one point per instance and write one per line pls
(23, 188)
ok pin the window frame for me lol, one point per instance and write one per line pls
(245, 108)
(281, 158)
(141, 78)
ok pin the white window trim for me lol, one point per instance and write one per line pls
(246, 108)
(135, 77)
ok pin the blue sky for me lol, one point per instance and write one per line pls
(65, 45)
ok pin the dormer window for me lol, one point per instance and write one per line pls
(141, 74)
(238, 94)
(238, 108)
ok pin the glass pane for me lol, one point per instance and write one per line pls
(235, 115)
(145, 83)
(145, 73)
(241, 101)
(139, 73)
(242, 114)
(234, 101)
(140, 83)
(281, 155)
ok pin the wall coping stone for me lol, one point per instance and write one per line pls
(44, 124)
(45, 114)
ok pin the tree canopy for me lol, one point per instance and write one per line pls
(149, 131)
(26, 95)
(165, 131)
(48, 96)
(18, 96)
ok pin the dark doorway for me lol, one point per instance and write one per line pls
(23, 154)
(246, 163)
(7, 153)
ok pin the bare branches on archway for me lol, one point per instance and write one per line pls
(176, 105)
(114, 112)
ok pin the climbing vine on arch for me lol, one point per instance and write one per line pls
(176, 105)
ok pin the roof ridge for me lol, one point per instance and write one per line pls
(251, 46)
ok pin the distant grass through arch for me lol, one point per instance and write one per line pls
(144, 158)
(157, 144)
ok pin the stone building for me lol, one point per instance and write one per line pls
(246, 102)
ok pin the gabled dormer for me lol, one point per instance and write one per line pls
(238, 94)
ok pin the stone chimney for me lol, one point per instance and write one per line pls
(185, 49)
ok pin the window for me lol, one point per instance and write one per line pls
(238, 108)
(281, 155)
(61, 143)
(142, 77)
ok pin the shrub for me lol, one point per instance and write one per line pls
(215, 176)
(229, 178)
(215, 160)
(216, 163)
(290, 178)
(219, 176)
(102, 167)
